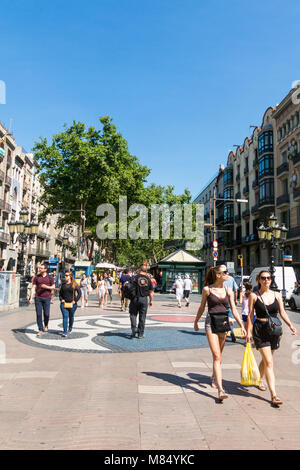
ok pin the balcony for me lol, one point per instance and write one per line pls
(283, 168)
(250, 238)
(296, 159)
(267, 201)
(246, 213)
(5, 206)
(255, 184)
(39, 252)
(4, 237)
(296, 193)
(294, 232)
(228, 220)
(266, 172)
(255, 162)
(7, 180)
(246, 190)
(237, 218)
(284, 199)
(255, 209)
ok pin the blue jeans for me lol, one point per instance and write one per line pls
(68, 315)
(42, 305)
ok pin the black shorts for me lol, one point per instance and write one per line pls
(186, 294)
(261, 337)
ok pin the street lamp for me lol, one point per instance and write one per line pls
(275, 234)
(26, 231)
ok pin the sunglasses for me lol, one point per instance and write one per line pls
(223, 272)
(265, 278)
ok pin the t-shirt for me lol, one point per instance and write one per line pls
(124, 278)
(231, 283)
(38, 281)
(179, 285)
(108, 281)
(188, 285)
(144, 285)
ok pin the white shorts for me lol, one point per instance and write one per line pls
(101, 293)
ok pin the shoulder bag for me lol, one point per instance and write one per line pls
(219, 320)
(273, 325)
(69, 304)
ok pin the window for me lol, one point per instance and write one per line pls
(228, 193)
(247, 229)
(228, 176)
(228, 213)
(266, 191)
(266, 166)
(265, 142)
(285, 218)
(284, 187)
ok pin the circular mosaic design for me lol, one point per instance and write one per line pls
(111, 333)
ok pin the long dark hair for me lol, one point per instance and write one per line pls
(248, 287)
(211, 277)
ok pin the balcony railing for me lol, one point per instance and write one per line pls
(283, 168)
(284, 199)
(246, 213)
(267, 201)
(4, 237)
(294, 232)
(237, 217)
(255, 209)
(39, 252)
(296, 192)
(7, 180)
(5, 206)
(296, 159)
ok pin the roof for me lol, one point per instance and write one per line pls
(181, 256)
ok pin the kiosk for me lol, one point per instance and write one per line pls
(82, 267)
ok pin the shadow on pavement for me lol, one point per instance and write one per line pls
(232, 388)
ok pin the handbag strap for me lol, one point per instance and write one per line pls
(219, 301)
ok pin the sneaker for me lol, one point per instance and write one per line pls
(86, 304)
(46, 328)
(70, 332)
(141, 336)
(64, 335)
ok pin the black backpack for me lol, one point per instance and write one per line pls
(130, 289)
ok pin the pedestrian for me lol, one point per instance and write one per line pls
(84, 286)
(54, 275)
(217, 298)
(266, 302)
(123, 279)
(244, 301)
(187, 289)
(178, 285)
(42, 285)
(109, 284)
(102, 291)
(234, 287)
(139, 304)
(69, 294)
(154, 283)
(94, 281)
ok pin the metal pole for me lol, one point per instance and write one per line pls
(214, 220)
(273, 285)
(283, 277)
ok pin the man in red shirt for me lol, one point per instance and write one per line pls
(42, 285)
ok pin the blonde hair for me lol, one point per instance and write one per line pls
(73, 282)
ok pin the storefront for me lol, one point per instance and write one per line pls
(181, 263)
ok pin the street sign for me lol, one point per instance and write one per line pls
(288, 258)
(230, 267)
(215, 244)
(240, 257)
(215, 254)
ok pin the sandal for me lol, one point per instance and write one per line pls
(222, 395)
(276, 401)
(262, 386)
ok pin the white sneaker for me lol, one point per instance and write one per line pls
(86, 304)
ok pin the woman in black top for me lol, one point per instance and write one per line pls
(218, 299)
(69, 294)
(263, 299)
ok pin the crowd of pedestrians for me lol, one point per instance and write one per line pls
(259, 304)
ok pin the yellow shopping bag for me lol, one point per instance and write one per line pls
(249, 371)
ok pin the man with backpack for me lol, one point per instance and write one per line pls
(138, 289)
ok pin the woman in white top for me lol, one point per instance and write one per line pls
(102, 291)
(179, 290)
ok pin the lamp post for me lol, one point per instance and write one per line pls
(275, 234)
(26, 231)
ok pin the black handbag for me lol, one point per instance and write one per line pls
(219, 320)
(274, 324)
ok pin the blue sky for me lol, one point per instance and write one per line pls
(182, 79)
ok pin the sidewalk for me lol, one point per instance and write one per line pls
(54, 396)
